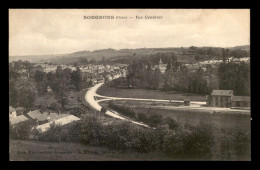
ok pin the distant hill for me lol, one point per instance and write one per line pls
(243, 47)
(35, 58)
(108, 54)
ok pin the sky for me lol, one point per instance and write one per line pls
(61, 31)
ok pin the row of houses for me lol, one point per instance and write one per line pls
(41, 121)
(225, 98)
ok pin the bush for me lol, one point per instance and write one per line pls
(127, 111)
(232, 145)
(142, 117)
(103, 109)
(90, 130)
(174, 143)
(200, 142)
(57, 133)
(172, 123)
(20, 131)
(55, 106)
(154, 119)
(122, 136)
(53, 134)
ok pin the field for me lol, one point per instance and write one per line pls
(27, 150)
(227, 120)
(147, 94)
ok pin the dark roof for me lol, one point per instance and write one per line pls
(240, 98)
(222, 93)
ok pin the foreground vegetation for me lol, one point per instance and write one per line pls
(200, 142)
(31, 150)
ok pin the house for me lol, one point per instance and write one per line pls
(225, 98)
(240, 101)
(45, 117)
(54, 116)
(220, 98)
(12, 112)
(62, 121)
(37, 116)
(18, 119)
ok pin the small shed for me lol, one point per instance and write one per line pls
(240, 101)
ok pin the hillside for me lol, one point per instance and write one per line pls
(115, 55)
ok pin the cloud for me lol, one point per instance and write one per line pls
(65, 31)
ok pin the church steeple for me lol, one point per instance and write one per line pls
(160, 62)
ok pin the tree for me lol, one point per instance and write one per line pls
(76, 79)
(41, 82)
(225, 54)
(149, 77)
(197, 84)
(61, 87)
(26, 93)
(235, 77)
(92, 61)
(156, 78)
(51, 78)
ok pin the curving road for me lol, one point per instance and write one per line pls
(91, 93)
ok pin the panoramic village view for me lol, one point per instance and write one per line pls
(147, 103)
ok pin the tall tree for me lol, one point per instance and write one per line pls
(26, 93)
(76, 79)
(41, 82)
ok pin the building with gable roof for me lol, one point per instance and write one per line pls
(12, 112)
(18, 119)
(62, 121)
(220, 98)
(225, 98)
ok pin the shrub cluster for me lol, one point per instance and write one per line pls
(20, 131)
(121, 135)
(202, 142)
(57, 133)
(151, 118)
(127, 111)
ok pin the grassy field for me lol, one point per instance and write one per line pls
(147, 94)
(194, 117)
(227, 120)
(49, 151)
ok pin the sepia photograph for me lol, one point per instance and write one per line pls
(129, 85)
